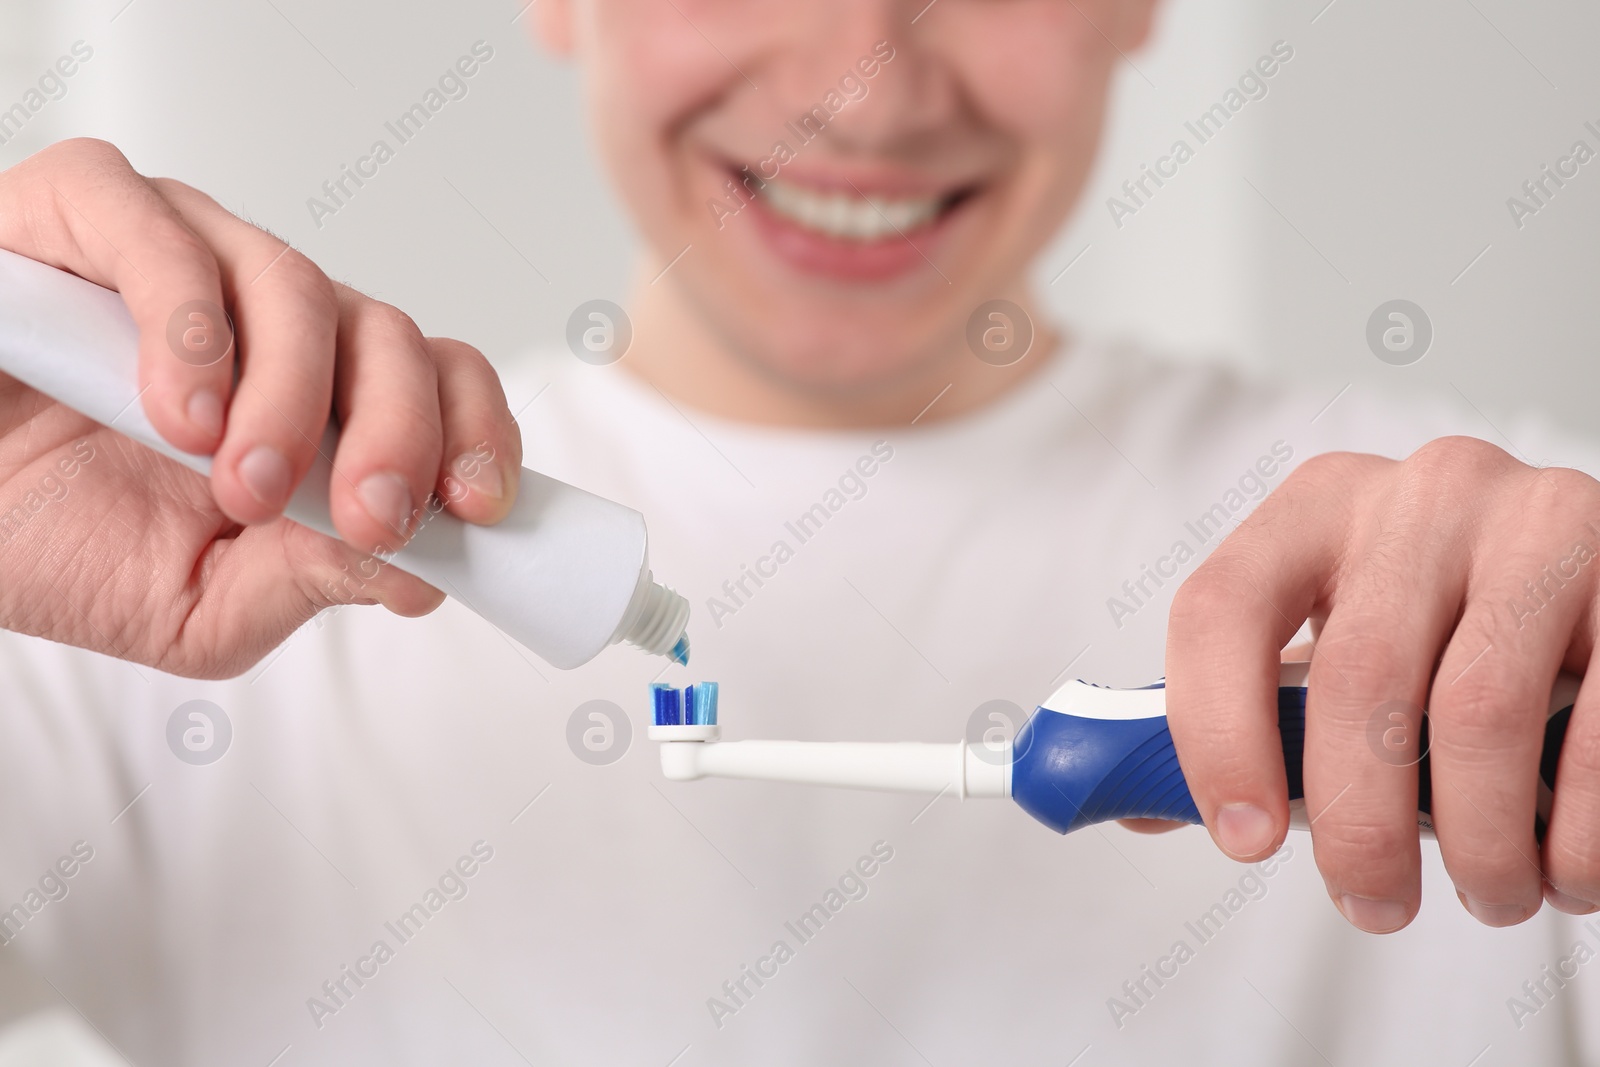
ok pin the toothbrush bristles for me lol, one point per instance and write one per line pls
(694, 706)
(666, 701)
(704, 702)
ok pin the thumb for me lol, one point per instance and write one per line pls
(262, 585)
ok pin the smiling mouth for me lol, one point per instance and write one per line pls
(855, 217)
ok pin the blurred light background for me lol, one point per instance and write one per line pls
(1377, 166)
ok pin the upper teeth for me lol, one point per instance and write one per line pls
(848, 215)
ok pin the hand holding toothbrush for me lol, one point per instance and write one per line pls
(107, 545)
(1459, 580)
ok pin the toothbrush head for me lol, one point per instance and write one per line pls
(684, 714)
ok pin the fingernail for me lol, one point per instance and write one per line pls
(1562, 902)
(387, 498)
(1373, 916)
(205, 412)
(1244, 829)
(486, 477)
(265, 473)
(1495, 914)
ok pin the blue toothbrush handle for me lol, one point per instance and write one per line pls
(1071, 771)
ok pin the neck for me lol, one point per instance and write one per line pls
(674, 351)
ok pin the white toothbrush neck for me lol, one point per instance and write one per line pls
(906, 767)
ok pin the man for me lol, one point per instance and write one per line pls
(849, 220)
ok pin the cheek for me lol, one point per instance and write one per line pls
(1034, 69)
(649, 73)
(648, 65)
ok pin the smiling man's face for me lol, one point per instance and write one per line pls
(849, 184)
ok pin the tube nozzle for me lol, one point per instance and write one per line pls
(656, 620)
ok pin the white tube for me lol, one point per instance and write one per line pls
(566, 573)
(896, 766)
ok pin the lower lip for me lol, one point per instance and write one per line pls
(816, 253)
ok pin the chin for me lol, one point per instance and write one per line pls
(833, 371)
(836, 350)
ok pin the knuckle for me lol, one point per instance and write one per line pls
(295, 271)
(449, 351)
(185, 198)
(485, 396)
(1359, 851)
(1580, 757)
(1564, 483)
(1452, 460)
(173, 189)
(1472, 714)
(1363, 642)
(180, 243)
(1214, 591)
(78, 163)
(392, 325)
(1490, 871)
(1561, 494)
(1314, 493)
(1443, 485)
(86, 153)
(1326, 467)
(1572, 858)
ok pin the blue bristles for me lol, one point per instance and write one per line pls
(702, 698)
(667, 704)
(694, 706)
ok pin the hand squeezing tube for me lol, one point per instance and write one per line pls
(566, 573)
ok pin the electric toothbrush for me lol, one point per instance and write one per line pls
(567, 573)
(1087, 755)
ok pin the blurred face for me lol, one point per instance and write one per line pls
(849, 184)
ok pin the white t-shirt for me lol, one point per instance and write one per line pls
(230, 913)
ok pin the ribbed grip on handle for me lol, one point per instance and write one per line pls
(1071, 771)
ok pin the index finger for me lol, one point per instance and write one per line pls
(1228, 623)
(80, 206)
